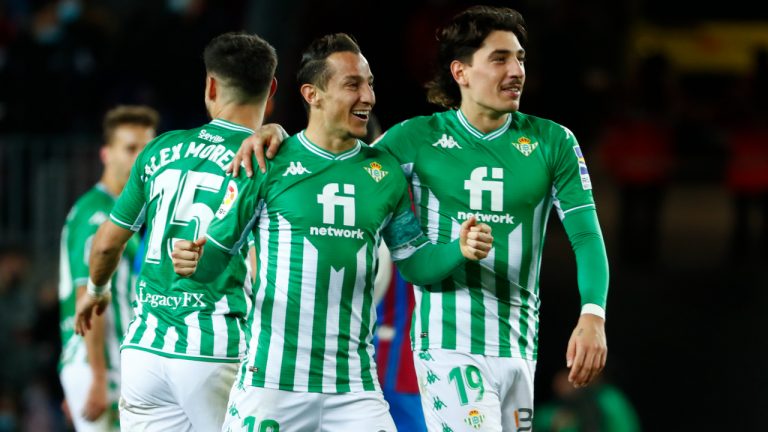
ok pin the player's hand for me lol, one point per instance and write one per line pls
(587, 350)
(270, 136)
(97, 401)
(475, 239)
(186, 254)
(86, 306)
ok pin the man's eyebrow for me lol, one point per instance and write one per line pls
(506, 52)
(356, 78)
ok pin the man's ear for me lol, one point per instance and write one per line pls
(272, 88)
(211, 87)
(459, 72)
(311, 94)
(103, 154)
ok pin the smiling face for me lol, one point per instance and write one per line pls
(494, 78)
(344, 105)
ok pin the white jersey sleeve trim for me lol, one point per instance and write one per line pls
(565, 212)
(133, 227)
(219, 245)
(593, 309)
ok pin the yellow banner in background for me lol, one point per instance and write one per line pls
(709, 47)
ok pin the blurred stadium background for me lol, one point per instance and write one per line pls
(669, 100)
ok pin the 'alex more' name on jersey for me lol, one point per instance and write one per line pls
(216, 153)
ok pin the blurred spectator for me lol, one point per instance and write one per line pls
(636, 149)
(17, 317)
(746, 174)
(601, 407)
(60, 57)
(8, 412)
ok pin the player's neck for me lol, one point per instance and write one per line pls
(483, 119)
(112, 184)
(250, 116)
(321, 137)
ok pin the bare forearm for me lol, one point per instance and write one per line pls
(108, 245)
(94, 344)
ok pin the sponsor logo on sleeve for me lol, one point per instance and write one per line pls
(229, 198)
(586, 183)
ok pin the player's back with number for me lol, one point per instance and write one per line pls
(177, 184)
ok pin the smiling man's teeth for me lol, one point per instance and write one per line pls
(363, 114)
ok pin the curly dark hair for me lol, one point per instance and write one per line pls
(459, 40)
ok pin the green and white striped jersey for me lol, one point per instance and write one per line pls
(510, 179)
(83, 220)
(318, 219)
(175, 186)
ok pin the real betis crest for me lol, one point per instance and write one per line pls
(525, 145)
(376, 172)
(475, 418)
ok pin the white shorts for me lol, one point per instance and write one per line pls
(469, 392)
(168, 394)
(76, 381)
(256, 409)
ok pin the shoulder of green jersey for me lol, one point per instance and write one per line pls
(420, 130)
(554, 129)
(92, 207)
(98, 217)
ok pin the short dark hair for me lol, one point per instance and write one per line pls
(460, 39)
(313, 69)
(141, 115)
(245, 62)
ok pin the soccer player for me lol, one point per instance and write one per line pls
(180, 354)
(89, 368)
(318, 214)
(475, 334)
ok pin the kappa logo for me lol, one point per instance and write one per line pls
(446, 142)
(296, 168)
